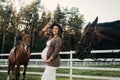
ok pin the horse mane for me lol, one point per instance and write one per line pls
(114, 24)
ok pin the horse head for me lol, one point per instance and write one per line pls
(26, 39)
(87, 40)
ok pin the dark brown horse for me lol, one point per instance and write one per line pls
(18, 56)
(95, 35)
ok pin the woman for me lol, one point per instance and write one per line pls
(50, 54)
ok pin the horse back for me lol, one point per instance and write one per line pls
(18, 56)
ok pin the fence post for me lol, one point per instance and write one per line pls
(71, 65)
(84, 63)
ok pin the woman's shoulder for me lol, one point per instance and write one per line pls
(58, 38)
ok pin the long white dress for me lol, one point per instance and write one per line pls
(50, 72)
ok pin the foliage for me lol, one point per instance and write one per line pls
(32, 18)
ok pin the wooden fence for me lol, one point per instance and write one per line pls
(73, 64)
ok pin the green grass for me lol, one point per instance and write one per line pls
(3, 76)
(97, 73)
(110, 66)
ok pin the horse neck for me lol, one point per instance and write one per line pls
(25, 43)
(108, 33)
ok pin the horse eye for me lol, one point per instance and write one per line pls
(87, 33)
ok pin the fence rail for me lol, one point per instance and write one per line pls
(72, 64)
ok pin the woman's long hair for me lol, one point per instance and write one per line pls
(60, 30)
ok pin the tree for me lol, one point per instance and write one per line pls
(75, 21)
(59, 16)
(32, 18)
(5, 12)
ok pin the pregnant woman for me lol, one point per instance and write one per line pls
(50, 54)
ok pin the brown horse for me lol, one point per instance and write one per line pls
(95, 35)
(18, 56)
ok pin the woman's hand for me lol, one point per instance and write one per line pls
(47, 26)
(47, 61)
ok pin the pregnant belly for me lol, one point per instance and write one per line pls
(44, 53)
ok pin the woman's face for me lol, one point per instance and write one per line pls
(55, 30)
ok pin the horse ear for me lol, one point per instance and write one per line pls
(94, 22)
(88, 25)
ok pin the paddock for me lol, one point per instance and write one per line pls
(71, 63)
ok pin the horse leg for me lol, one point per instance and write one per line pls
(8, 78)
(17, 72)
(13, 67)
(24, 72)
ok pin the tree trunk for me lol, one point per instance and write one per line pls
(16, 34)
(3, 43)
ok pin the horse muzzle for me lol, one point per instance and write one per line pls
(80, 55)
